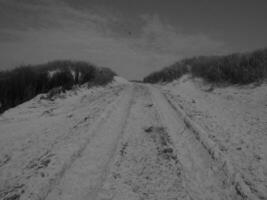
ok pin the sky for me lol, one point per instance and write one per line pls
(132, 37)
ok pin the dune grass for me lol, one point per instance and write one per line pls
(231, 69)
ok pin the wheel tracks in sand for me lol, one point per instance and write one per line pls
(67, 154)
(139, 148)
(158, 157)
(226, 182)
(144, 166)
(86, 175)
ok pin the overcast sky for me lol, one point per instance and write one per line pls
(133, 37)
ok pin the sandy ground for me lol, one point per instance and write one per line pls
(41, 138)
(123, 141)
(235, 118)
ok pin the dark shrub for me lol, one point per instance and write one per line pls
(25, 82)
(232, 69)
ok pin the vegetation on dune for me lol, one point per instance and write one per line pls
(167, 74)
(25, 82)
(234, 69)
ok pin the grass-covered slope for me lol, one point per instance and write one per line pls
(233, 69)
(25, 82)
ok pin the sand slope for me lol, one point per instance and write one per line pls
(128, 141)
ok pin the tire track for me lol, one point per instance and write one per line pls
(85, 176)
(204, 177)
(235, 178)
(67, 154)
(37, 164)
(145, 165)
(139, 148)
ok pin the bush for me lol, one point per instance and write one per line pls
(167, 74)
(231, 69)
(25, 82)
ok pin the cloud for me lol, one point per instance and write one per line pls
(163, 38)
(38, 32)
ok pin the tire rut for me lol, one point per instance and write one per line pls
(204, 176)
(145, 165)
(36, 172)
(87, 173)
(139, 149)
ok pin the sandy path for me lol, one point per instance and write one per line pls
(144, 166)
(41, 148)
(159, 158)
(234, 120)
(138, 149)
(86, 174)
(204, 177)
